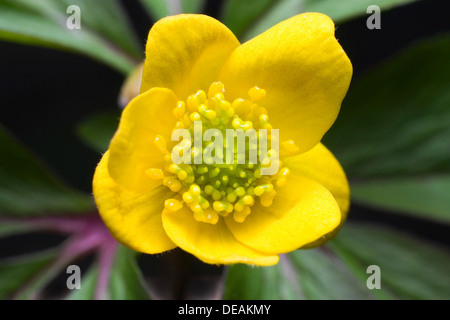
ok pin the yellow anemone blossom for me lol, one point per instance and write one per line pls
(292, 78)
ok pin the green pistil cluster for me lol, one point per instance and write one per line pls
(210, 189)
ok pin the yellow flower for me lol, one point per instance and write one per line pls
(292, 77)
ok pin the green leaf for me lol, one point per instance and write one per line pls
(126, 281)
(97, 131)
(425, 197)
(349, 9)
(302, 274)
(238, 15)
(158, 9)
(192, 6)
(9, 228)
(245, 282)
(249, 18)
(28, 188)
(18, 271)
(409, 268)
(105, 33)
(392, 135)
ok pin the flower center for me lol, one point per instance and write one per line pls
(228, 158)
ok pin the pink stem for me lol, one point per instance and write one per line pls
(64, 224)
(107, 253)
(87, 233)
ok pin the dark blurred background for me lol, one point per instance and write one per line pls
(45, 93)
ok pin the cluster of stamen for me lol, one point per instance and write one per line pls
(212, 189)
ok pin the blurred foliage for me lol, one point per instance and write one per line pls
(105, 33)
(249, 18)
(409, 269)
(28, 187)
(158, 9)
(392, 137)
(399, 158)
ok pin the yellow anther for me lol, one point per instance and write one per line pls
(215, 88)
(176, 169)
(195, 189)
(193, 101)
(282, 176)
(173, 205)
(219, 206)
(179, 110)
(230, 112)
(237, 123)
(244, 201)
(207, 216)
(216, 195)
(256, 93)
(290, 146)
(208, 114)
(232, 196)
(264, 121)
(264, 118)
(179, 125)
(219, 101)
(167, 159)
(160, 143)
(172, 183)
(247, 200)
(240, 191)
(155, 174)
(187, 197)
(263, 188)
(209, 189)
(189, 179)
(267, 198)
(204, 203)
(196, 208)
(195, 116)
(239, 216)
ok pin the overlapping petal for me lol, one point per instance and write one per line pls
(320, 165)
(210, 243)
(133, 149)
(185, 53)
(304, 70)
(302, 212)
(133, 218)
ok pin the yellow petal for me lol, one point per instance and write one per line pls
(302, 212)
(185, 53)
(211, 243)
(133, 218)
(320, 165)
(132, 150)
(304, 71)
